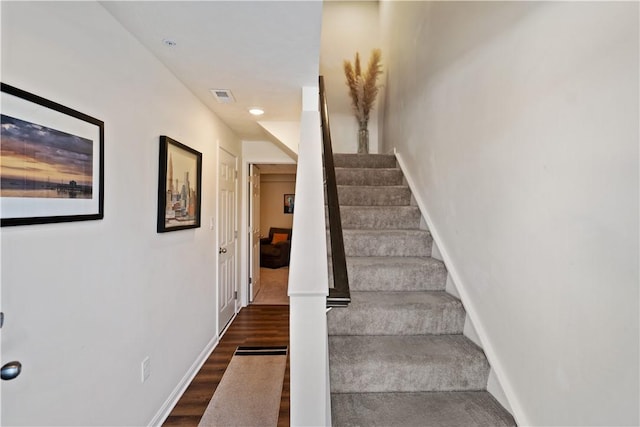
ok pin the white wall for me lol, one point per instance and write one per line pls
(348, 27)
(285, 133)
(519, 123)
(82, 332)
(264, 152)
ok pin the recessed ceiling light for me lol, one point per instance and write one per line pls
(256, 111)
(169, 42)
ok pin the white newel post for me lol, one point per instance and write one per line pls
(308, 277)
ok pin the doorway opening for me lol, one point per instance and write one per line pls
(271, 210)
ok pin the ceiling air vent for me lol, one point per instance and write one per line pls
(223, 96)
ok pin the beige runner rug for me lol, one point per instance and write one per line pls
(250, 390)
(273, 290)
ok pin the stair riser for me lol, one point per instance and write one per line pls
(367, 320)
(464, 408)
(414, 244)
(407, 377)
(379, 217)
(406, 364)
(373, 196)
(364, 161)
(394, 277)
(368, 176)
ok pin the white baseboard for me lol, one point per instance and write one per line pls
(499, 385)
(177, 392)
(495, 388)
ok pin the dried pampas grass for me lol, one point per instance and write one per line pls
(363, 88)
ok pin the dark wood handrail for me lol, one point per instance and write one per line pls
(339, 295)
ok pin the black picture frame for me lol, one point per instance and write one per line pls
(52, 161)
(289, 203)
(179, 197)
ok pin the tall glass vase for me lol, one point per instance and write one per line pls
(363, 138)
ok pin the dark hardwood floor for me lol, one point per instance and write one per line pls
(255, 325)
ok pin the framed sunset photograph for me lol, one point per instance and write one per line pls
(51, 161)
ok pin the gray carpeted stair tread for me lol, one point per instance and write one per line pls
(378, 243)
(396, 274)
(433, 409)
(363, 195)
(406, 363)
(380, 217)
(369, 176)
(350, 160)
(398, 313)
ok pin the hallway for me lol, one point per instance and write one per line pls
(273, 288)
(256, 325)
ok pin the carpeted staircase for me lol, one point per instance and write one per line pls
(397, 354)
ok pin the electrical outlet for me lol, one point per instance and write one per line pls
(146, 368)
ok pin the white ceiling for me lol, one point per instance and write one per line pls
(263, 51)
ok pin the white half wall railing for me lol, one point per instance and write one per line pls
(309, 278)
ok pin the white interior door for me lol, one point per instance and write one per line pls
(255, 231)
(1, 356)
(227, 237)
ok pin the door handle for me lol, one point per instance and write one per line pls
(222, 250)
(10, 370)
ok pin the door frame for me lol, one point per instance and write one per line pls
(251, 232)
(247, 159)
